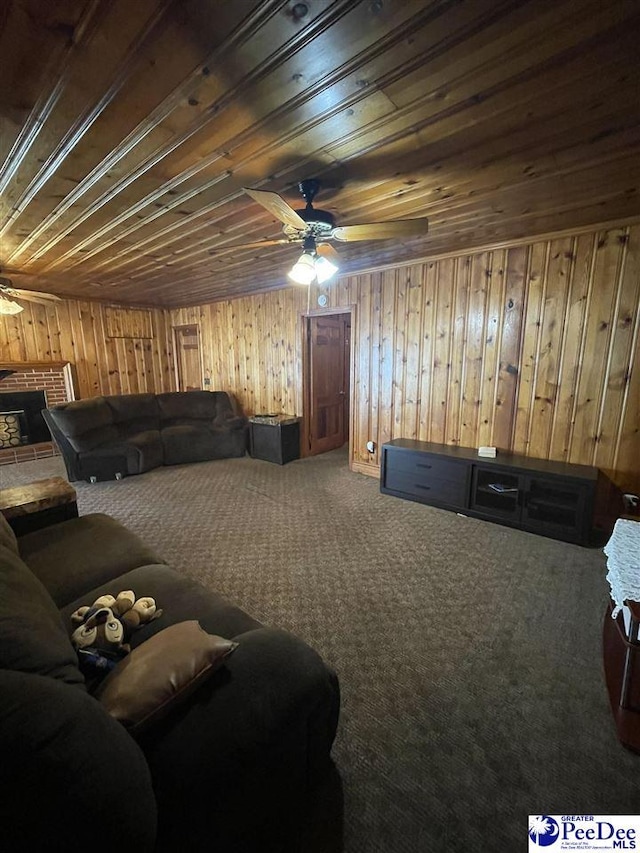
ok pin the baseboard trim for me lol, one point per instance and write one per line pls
(364, 468)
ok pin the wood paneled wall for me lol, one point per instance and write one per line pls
(533, 348)
(252, 347)
(114, 350)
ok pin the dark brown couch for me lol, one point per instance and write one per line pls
(232, 768)
(105, 437)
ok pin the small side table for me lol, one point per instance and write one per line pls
(274, 438)
(38, 504)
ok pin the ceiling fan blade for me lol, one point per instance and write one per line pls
(278, 207)
(35, 295)
(283, 241)
(395, 229)
(328, 252)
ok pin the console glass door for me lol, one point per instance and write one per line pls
(553, 503)
(496, 492)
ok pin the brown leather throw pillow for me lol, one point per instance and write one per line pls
(160, 673)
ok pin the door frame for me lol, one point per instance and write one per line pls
(176, 365)
(305, 316)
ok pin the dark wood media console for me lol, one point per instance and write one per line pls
(554, 499)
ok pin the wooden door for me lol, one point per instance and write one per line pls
(328, 382)
(188, 357)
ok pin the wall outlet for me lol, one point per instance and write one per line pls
(207, 380)
(371, 447)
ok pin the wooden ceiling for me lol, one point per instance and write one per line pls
(130, 128)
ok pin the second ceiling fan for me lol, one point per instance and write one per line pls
(314, 228)
(9, 293)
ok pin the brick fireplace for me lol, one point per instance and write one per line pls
(21, 427)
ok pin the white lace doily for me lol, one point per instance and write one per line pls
(623, 564)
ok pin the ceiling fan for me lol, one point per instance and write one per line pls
(9, 293)
(314, 227)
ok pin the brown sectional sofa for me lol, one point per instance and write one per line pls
(105, 437)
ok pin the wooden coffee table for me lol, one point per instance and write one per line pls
(38, 504)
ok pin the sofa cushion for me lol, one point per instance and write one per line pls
(161, 673)
(73, 557)
(85, 423)
(188, 442)
(176, 406)
(70, 776)
(7, 536)
(33, 637)
(96, 438)
(134, 413)
(148, 448)
(230, 442)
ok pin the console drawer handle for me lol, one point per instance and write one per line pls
(422, 465)
(420, 486)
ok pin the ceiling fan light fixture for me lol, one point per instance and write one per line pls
(8, 306)
(325, 269)
(304, 270)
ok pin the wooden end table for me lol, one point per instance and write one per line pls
(38, 504)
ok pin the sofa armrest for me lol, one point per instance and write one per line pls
(67, 767)
(248, 748)
(230, 422)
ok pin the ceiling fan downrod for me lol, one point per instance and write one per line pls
(309, 190)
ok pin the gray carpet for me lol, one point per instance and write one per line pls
(469, 654)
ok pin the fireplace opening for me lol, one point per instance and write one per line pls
(21, 420)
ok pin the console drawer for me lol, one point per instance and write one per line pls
(426, 467)
(427, 488)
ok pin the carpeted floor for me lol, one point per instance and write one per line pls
(469, 654)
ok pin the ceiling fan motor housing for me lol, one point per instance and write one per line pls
(315, 216)
(320, 223)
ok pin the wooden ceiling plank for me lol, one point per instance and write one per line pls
(88, 87)
(114, 125)
(111, 164)
(143, 167)
(497, 119)
(29, 90)
(471, 105)
(478, 175)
